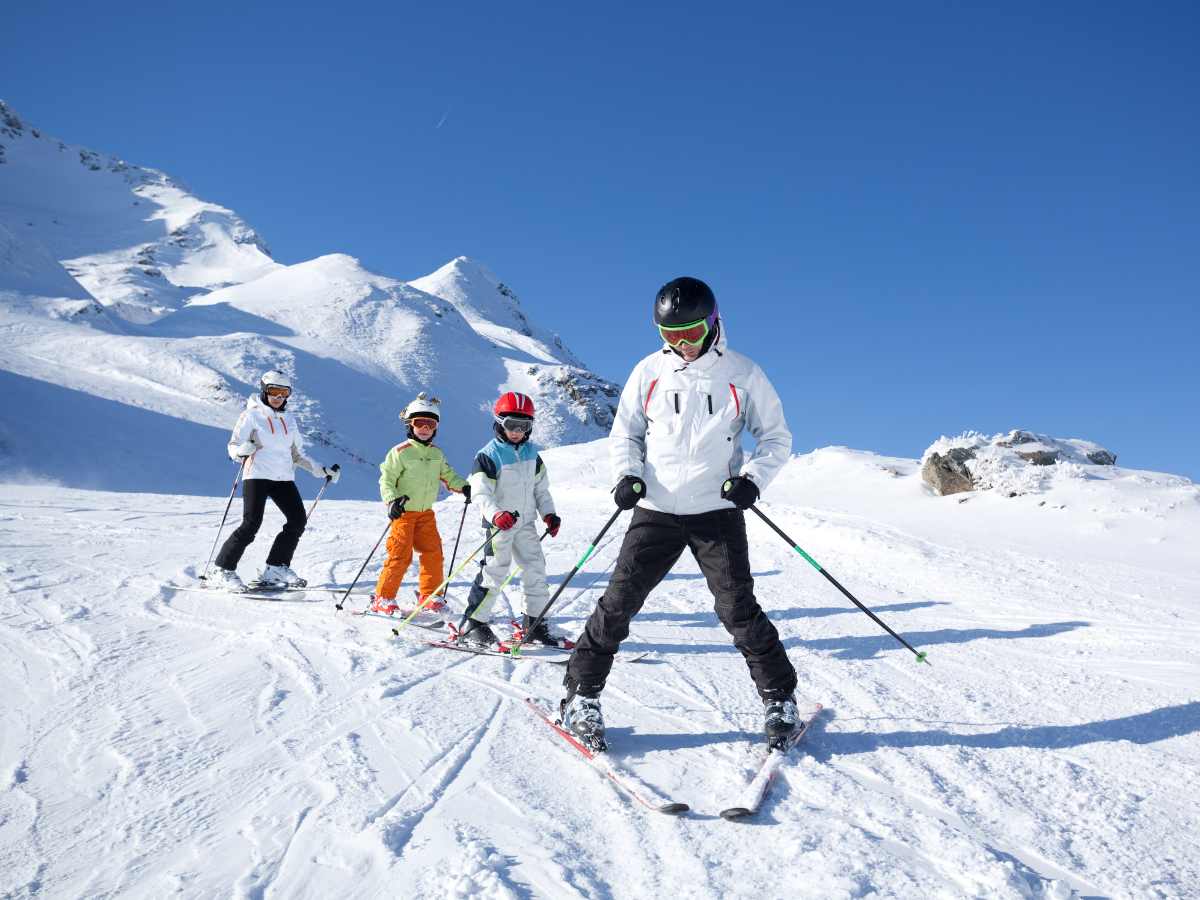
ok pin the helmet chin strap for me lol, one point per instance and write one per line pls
(413, 436)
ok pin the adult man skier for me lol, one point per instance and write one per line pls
(676, 452)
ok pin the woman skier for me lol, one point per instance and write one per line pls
(268, 442)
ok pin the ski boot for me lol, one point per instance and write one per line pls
(781, 718)
(277, 577)
(473, 633)
(582, 717)
(434, 604)
(541, 634)
(225, 580)
(383, 605)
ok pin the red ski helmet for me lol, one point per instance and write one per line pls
(512, 403)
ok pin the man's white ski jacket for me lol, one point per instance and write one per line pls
(679, 427)
(280, 444)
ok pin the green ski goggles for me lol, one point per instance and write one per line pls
(693, 333)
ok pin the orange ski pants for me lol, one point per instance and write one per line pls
(412, 531)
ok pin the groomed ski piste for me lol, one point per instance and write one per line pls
(158, 743)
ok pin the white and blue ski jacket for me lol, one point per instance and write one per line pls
(511, 478)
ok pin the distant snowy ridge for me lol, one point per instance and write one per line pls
(120, 287)
(133, 238)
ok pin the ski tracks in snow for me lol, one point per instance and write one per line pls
(199, 744)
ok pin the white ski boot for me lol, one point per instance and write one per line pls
(225, 580)
(279, 577)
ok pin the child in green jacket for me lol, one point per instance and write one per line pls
(408, 483)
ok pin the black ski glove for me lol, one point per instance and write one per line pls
(466, 491)
(629, 491)
(396, 507)
(740, 491)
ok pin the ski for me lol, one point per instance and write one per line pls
(518, 635)
(278, 596)
(752, 795)
(262, 587)
(398, 617)
(630, 784)
(437, 625)
(502, 653)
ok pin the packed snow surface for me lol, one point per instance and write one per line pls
(159, 742)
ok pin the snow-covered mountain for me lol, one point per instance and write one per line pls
(135, 239)
(135, 317)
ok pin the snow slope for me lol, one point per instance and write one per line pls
(158, 742)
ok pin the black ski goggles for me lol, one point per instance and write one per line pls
(515, 423)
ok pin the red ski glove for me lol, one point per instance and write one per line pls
(553, 523)
(504, 520)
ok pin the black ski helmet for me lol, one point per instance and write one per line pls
(683, 301)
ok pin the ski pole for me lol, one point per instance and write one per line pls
(920, 654)
(457, 538)
(386, 529)
(420, 606)
(221, 527)
(335, 467)
(515, 650)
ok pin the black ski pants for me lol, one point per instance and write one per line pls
(652, 545)
(255, 492)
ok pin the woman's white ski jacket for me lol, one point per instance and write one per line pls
(280, 444)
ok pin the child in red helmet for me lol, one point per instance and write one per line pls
(512, 488)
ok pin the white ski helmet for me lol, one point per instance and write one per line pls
(273, 378)
(423, 405)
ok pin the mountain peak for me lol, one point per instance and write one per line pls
(467, 269)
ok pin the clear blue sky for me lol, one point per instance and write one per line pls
(919, 218)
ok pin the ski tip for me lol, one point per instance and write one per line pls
(674, 809)
(734, 813)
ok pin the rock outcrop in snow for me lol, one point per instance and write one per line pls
(1012, 463)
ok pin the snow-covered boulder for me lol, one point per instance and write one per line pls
(947, 472)
(1013, 463)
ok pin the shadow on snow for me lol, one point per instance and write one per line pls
(1141, 728)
